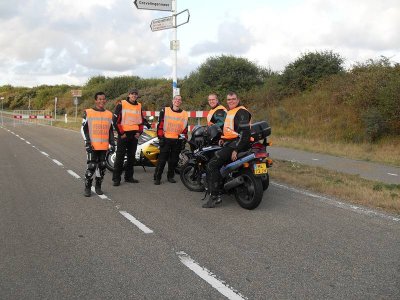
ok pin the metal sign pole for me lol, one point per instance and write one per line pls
(174, 52)
(2, 98)
(55, 108)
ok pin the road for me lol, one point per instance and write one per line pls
(141, 241)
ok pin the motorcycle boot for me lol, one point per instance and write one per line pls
(97, 187)
(213, 200)
(88, 186)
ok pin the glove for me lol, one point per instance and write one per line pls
(161, 141)
(111, 148)
(88, 147)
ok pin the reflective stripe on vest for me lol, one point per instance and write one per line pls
(99, 128)
(211, 113)
(174, 123)
(229, 132)
(131, 116)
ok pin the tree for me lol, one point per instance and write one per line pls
(222, 74)
(309, 68)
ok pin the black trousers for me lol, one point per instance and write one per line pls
(168, 152)
(96, 158)
(126, 146)
(214, 177)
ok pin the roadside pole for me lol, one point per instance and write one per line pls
(2, 98)
(174, 48)
(55, 108)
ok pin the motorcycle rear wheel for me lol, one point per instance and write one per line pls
(249, 195)
(186, 173)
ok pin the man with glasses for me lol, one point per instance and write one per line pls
(235, 138)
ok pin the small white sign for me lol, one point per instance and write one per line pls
(174, 45)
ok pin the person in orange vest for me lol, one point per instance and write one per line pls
(236, 137)
(217, 113)
(128, 121)
(98, 134)
(172, 122)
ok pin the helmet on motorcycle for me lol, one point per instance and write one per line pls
(198, 131)
(214, 133)
(198, 134)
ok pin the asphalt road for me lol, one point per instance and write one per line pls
(142, 241)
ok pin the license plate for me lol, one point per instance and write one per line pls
(260, 169)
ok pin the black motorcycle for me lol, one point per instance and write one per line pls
(246, 178)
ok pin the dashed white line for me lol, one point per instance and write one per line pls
(27, 142)
(392, 174)
(57, 162)
(74, 174)
(315, 158)
(44, 153)
(209, 277)
(22, 139)
(138, 224)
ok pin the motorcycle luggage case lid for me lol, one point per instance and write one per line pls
(260, 130)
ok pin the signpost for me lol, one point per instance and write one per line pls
(75, 95)
(166, 23)
(165, 5)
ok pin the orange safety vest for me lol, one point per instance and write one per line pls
(229, 132)
(99, 128)
(211, 113)
(131, 116)
(174, 123)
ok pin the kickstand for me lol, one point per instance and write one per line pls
(205, 196)
(144, 168)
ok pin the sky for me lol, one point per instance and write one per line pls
(69, 41)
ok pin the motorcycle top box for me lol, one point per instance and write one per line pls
(260, 130)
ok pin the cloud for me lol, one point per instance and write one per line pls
(232, 38)
(64, 38)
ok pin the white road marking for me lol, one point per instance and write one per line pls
(44, 153)
(27, 142)
(392, 174)
(73, 174)
(209, 277)
(22, 139)
(57, 162)
(315, 159)
(355, 208)
(133, 220)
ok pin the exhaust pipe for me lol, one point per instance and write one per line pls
(234, 183)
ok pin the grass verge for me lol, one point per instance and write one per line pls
(346, 187)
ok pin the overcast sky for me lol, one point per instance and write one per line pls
(68, 41)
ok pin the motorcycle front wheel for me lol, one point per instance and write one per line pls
(250, 193)
(110, 160)
(190, 177)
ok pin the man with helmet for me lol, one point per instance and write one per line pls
(172, 122)
(128, 121)
(235, 138)
(217, 113)
(98, 135)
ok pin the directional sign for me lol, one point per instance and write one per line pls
(162, 23)
(154, 4)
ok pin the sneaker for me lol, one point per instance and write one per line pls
(132, 180)
(157, 182)
(116, 183)
(171, 180)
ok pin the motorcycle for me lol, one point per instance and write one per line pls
(246, 178)
(146, 154)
